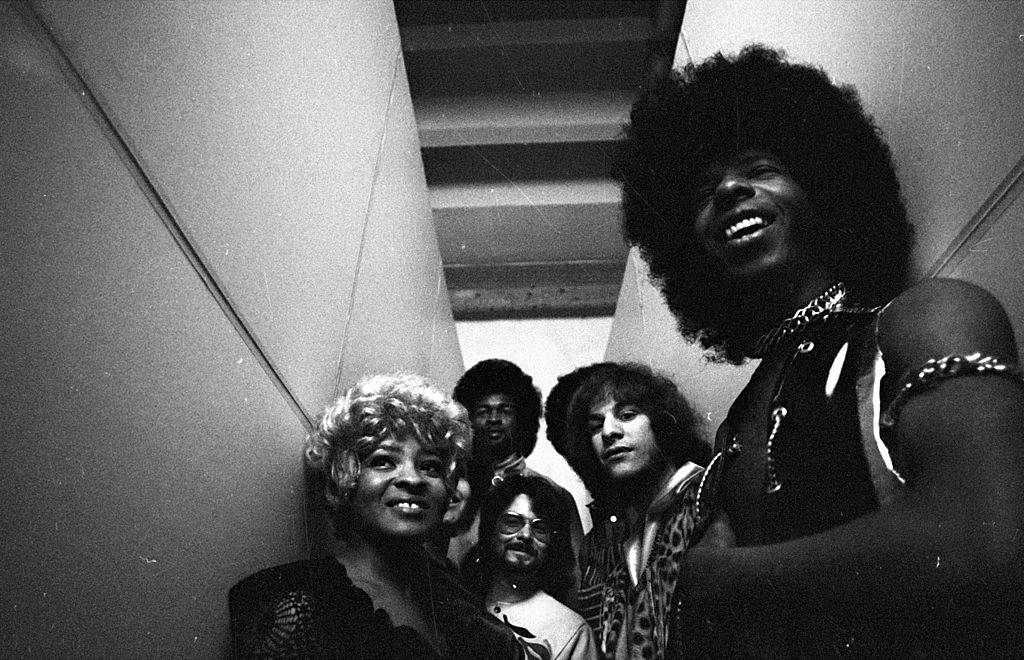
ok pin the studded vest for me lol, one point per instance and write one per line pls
(822, 460)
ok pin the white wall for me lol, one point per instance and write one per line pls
(150, 459)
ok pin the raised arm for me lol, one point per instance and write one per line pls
(945, 559)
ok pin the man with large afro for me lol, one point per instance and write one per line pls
(867, 495)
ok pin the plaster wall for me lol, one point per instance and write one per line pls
(152, 427)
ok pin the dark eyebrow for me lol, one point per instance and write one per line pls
(755, 154)
(759, 158)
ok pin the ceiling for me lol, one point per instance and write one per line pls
(520, 106)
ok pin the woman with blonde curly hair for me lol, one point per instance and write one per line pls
(386, 453)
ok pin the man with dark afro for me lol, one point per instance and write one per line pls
(867, 496)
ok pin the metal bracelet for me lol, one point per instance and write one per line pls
(936, 370)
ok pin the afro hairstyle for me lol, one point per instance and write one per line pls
(496, 376)
(713, 112)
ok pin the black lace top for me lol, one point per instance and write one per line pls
(312, 609)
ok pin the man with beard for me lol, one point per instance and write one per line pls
(632, 439)
(867, 496)
(504, 408)
(523, 568)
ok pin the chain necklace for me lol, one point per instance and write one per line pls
(818, 309)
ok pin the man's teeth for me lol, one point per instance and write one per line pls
(745, 223)
(408, 505)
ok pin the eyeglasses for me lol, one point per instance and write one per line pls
(510, 523)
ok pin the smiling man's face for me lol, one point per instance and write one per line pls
(523, 543)
(748, 213)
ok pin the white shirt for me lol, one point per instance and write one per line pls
(547, 628)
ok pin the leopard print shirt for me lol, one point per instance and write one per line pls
(632, 621)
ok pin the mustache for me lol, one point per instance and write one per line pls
(522, 546)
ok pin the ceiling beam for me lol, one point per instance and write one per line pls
(539, 290)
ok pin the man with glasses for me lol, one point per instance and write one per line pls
(504, 408)
(523, 568)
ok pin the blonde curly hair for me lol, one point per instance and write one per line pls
(382, 406)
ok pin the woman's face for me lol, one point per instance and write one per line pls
(400, 493)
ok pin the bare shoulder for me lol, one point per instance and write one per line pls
(939, 317)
